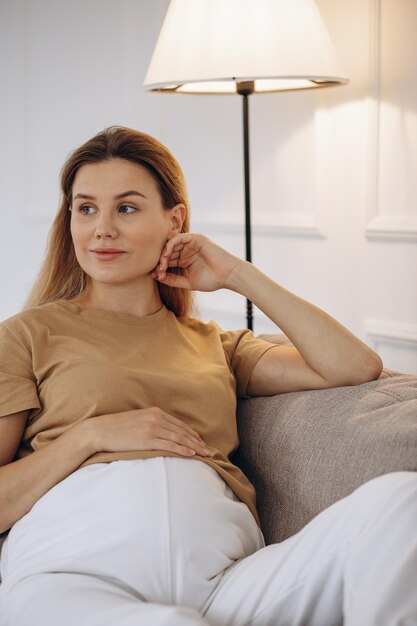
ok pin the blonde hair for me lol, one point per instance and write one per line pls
(61, 276)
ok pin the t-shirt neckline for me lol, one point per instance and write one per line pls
(115, 316)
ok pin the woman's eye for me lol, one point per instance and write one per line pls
(126, 206)
(84, 209)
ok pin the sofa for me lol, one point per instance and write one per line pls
(305, 450)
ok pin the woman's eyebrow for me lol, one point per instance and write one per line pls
(132, 192)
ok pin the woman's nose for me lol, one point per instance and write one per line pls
(105, 227)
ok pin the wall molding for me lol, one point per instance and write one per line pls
(387, 227)
(269, 224)
(394, 333)
(380, 227)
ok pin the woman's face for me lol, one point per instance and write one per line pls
(116, 205)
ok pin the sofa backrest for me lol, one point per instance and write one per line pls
(305, 450)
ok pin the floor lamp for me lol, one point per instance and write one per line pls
(243, 47)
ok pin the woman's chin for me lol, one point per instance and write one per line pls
(107, 279)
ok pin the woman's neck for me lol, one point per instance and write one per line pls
(120, 300)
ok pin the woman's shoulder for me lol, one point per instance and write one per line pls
(211, 327)
(29, 317)
(212, 331)
(199, 326)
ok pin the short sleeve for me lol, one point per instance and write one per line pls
(243, 351)
(18, 390)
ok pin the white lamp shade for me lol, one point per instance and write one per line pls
(207, 46)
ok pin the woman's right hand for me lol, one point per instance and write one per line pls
(145, 429)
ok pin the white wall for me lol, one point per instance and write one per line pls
(334, 171)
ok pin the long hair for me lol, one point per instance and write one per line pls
(61, 276)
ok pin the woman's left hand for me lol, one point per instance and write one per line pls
(206, 265)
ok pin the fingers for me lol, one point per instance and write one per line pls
(146, 429)
(174, 430)
(177, 243)
(171, 254)
(174, 280)
(173, 423)
(163, 444)
(190, 445)
(166, 262)
(169, 278)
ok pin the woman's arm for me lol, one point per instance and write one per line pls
(23, 482)
(326, 354)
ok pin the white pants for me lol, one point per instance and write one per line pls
(165, 541)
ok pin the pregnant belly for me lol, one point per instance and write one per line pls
(156, 524)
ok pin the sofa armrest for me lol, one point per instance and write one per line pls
(305, 450)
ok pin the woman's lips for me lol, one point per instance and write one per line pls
(107, 256)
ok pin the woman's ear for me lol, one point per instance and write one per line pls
(178, 213)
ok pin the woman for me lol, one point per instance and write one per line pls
(109, 387)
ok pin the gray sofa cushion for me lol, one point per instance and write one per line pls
(305, 450)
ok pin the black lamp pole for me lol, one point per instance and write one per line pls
(245, 89)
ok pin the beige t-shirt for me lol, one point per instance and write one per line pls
(68, 364)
